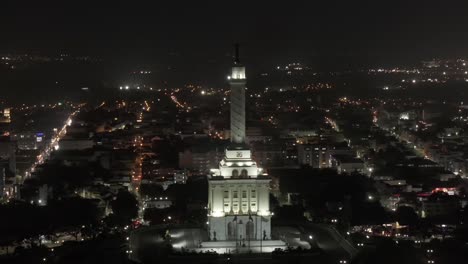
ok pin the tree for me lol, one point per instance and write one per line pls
(73, 213)
(124, 207)
(151, 190)
(406, 215)
(20, 221)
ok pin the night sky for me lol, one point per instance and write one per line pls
(270, 30)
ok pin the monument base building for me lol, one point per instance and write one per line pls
(238, 199)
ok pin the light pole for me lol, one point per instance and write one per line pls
(250, 224)
(236, 232)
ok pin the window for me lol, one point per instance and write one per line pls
(234, 194)
(244, 207)
(226, 194)
(253, 193)
(244, 194)
(235, 173)
(253, 205)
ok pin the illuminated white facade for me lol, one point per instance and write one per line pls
(238, 198)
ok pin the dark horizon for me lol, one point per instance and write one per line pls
(400, 32)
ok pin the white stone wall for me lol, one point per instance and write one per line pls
(241, 199)
(219, 228)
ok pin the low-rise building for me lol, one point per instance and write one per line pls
(439, 205)
(158, 203)
(318, 155)
(347, 164)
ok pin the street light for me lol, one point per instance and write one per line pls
(311, 237)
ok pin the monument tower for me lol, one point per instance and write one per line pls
(237, 82)
(238, 198)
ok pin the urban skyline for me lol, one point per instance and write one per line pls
(328, 132)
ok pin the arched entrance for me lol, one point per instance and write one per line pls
(244, 173)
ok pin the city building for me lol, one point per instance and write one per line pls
(76, 143)
(5, 115)
(7, 158)
(318, 155)
(2, 182)
(158, 203)
(29, 140)
(200, 157)
(347, 164)
(269, 155)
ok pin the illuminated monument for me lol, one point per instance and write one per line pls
(238, 199)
